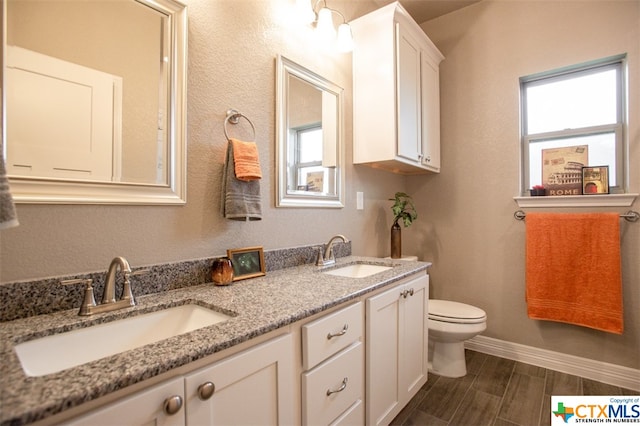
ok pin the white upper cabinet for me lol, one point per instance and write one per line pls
(396, 95)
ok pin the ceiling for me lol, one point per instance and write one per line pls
(424, 10)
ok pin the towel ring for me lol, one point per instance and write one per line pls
(233, 117)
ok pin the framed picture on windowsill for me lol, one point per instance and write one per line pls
(595, 180)
(247, 262)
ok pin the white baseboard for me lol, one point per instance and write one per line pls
(604, 372)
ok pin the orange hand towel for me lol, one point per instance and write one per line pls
(573, 270)
(246, 160)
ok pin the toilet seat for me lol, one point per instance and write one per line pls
(455, 312)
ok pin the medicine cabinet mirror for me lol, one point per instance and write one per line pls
(94, 106)
(310, 169)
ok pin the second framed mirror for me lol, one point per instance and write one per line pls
(309, 169)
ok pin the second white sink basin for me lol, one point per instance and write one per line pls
(358, 270)
(57, 352)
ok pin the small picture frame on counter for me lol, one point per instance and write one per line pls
(247, 262)
(595, 180)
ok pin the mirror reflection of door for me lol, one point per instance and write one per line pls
(91, 91)
(63, 118)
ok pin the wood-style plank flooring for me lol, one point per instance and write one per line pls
(498, 392)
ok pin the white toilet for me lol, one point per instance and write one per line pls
(450, 324)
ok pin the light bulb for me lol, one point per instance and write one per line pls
(324, 27)
(345, 39)
(305, 12)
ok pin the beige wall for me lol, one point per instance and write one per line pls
(466, 225)
(232, 50)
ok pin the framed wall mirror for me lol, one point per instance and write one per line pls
(309, 161)
(95, 101)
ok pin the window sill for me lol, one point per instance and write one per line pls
(608, 200)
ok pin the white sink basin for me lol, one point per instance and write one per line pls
(57, 352)
(358, 270)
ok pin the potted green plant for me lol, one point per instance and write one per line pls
(403, 210)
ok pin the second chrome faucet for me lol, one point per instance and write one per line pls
(328, 258)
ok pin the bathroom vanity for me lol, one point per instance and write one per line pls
(300, 346)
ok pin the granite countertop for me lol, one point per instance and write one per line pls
(258, 306)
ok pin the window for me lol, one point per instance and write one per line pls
(310, 174)
(573, 118)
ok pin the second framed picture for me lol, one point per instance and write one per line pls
(595, 180)
(247, 262)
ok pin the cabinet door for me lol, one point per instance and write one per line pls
(414, 331)
(396, 336)
(430, 113)
(408, 93)
(254, 387)
(383, 346)
(143, 408)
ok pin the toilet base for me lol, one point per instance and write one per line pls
(447, 359)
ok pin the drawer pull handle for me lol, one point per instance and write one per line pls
(340, 333)
(172, 405)
(206, 390)
(342, 387)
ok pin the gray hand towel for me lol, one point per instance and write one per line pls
(8, 217)
(240, 199)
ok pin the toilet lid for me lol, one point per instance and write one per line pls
(448, 311)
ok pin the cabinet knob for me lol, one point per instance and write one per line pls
(340, 333)
(428, 158)
(406, 293)
(172, 405)
(206, 390)
(342, 387)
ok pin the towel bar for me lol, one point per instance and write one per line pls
(233, 116)
(630, 216)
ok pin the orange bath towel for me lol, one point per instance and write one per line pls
(573, 270)
(246, 160)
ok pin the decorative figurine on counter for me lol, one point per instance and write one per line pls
(222, 271)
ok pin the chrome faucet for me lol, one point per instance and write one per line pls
(109, 295)
(109, 302)
(328, 258)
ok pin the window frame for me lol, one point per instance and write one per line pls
(619, 128)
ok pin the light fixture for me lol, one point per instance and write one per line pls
(324, 23)
(345, 39)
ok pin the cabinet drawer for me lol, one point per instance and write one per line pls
(353, 416)
(342, 378)
(330, 334)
